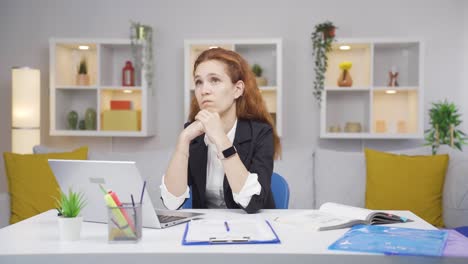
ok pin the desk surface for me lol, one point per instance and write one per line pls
(36, 240)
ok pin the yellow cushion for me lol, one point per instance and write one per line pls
(399, 182)
(32, 184)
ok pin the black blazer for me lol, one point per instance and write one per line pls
(255, 147)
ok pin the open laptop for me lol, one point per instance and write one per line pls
(123, 178)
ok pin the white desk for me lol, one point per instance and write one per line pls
(36, 240)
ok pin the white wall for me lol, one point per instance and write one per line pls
(26, 26)
(464, 76)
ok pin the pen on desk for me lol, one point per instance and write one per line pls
(142, 192)
(226, 225)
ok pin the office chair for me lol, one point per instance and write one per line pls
(279, 187)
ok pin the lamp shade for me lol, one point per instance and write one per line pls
(26, 106)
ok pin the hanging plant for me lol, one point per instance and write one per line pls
(322, 39)
(444, 120)
(141, 37)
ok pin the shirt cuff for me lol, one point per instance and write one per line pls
(251, 187)
(171, 201)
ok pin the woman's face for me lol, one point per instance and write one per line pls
(214, 89)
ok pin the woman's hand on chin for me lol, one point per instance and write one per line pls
(212, 124)
(192, 131)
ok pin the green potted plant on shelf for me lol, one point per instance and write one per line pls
(69, 208)
(322, 39)
(444, 121)
(257, 70)
(82, 78)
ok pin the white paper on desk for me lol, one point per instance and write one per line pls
(253, 229)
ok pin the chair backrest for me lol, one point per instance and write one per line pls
(279, 187)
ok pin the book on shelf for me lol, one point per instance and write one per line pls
(120, 105)
(335, 216)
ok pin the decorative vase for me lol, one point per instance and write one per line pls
(90, 119)
(353, 127)
(81, 124)
(261, 81)
(82, 79)
(70, 228)
(72, 120)
(345, 79)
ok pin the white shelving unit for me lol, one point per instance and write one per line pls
(265, 52)
(105, 59)
(383, 112)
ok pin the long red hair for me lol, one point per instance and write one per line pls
(250, 105)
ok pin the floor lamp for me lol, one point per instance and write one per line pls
(26, 109)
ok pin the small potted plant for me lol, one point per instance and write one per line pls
(444, 120)
(69, 208)
(257, 70)
(82, 78)
(322, 39)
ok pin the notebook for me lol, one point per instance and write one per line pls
(335, 216)
(123, 178)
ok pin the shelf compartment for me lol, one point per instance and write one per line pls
(132, 116)
(67, 61)
(78, 100)
(346, 107)
(263, 55)
(113, 59)
(395, 113)
(107, 95)
(403, 56)
(359, 55)
(270, 98)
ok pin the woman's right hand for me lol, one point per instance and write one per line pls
(194, 130)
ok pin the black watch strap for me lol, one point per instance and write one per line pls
(229, 152)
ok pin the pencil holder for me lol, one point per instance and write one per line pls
(124, 223)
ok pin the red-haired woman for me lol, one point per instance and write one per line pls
(226, 151)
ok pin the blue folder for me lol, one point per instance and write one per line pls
(223, 240)
(392, 241)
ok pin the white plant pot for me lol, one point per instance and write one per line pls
(70, 228)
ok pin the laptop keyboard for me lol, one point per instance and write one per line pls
(169, 218)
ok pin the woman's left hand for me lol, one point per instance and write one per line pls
(212, 124)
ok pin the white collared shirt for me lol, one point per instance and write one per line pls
(214, 182)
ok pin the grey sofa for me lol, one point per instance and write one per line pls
(313, 177)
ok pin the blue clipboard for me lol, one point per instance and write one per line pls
(222, 241)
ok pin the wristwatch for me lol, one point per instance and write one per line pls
(228, 152)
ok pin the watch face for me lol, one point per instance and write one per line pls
(229, 152)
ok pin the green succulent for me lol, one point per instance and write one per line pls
(257, 70)
(70, 205)
(444, 120)
(83, 68)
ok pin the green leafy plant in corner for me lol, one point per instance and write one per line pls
(444, 120)
(257, 70)
(83, 67)
(70, 205)
(322, 39)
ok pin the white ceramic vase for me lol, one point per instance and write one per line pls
(70, 228)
